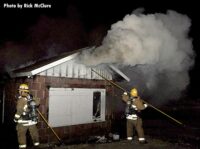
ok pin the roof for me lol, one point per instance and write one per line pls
(49, 63)
(44, 64)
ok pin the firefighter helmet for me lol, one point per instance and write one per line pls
(24, 87)
(134, 92)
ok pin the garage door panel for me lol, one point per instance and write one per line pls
(71, 106)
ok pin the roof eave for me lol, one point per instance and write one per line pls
(21, 74)
(45, 67)
(119, 72)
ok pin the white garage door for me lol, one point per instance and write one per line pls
(71, 106)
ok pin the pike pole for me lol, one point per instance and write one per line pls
(49, 126)
(142, 100)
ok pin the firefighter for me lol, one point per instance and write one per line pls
(134, 106)
(26, 116)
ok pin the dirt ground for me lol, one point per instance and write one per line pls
(123, 144)
(8, 141)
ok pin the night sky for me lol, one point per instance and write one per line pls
(29, 34)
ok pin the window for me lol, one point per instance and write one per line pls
(96, 105)
(72, 106)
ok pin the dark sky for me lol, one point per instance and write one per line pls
(26, 34)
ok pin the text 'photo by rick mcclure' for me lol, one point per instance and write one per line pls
(26, 4)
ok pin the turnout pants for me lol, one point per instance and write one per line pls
(137, 124)
(21, 133)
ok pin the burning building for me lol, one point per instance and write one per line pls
(75, 101)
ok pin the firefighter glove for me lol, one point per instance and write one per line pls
(125, 93)
(16, 120)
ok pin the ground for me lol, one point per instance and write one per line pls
(124, 144)
(8, 141)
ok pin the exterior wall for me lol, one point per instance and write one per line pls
(39, 87)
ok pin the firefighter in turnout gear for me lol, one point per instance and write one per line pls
(26, 116)
(134, 106)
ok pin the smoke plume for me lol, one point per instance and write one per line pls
(154, 50)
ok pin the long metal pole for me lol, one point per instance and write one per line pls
(142, 100)
(49, 126)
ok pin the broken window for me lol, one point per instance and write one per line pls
(96, 105)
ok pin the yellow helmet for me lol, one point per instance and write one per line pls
(24, 87)
(134, 92)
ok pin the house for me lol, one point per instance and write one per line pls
(76, 101)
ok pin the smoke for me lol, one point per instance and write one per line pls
(154, 50)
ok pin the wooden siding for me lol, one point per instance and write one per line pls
(70, 69)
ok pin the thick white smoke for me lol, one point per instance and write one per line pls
(157, 49)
